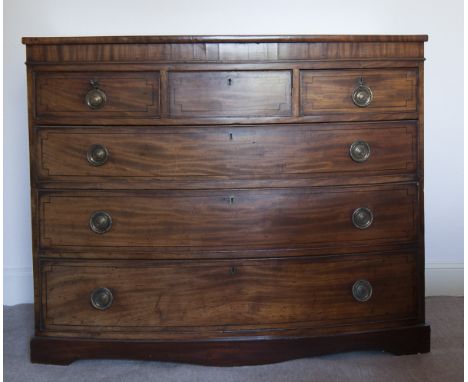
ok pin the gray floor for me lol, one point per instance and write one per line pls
(444, 363)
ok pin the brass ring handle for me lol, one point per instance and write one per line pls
(362, 95)
(100, 222)
(362, 217)
(359, 151)
(362, 290)
(97, 155)
(95, 98)
(101, 298)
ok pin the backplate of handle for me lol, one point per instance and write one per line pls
(97, 155)
(362, 95)
(100, 222)
(95, 98)
(362, 217)
(362, 290)
(359, 151)
(101, 298)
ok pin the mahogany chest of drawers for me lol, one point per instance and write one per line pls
(226, 200)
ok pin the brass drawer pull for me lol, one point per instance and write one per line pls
(97, 155)
(359, 151)
(100, 222)
(362, 95)
(95, 98)
(362, 290)
(362, 218)
(101, 298)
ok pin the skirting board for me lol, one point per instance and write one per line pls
(441, 280)
(18, 287)
(444, 279)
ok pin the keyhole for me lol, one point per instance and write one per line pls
(231, 200)
(230, 136)
(229, 82)
(232, 270)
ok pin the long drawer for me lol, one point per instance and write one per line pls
(256, 218)
(227, 152)
(269, 292)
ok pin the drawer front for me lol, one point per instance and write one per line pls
(228, 152)
(230, 93)
(331, 91)
(259, 218)
(269, 292)
(97, 95)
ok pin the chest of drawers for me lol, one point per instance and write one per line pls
(226, 200)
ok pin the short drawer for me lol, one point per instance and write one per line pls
(358, 92)
(230, 93)
(256, 218)
(90, 95)
(227, 152)
(225, 294)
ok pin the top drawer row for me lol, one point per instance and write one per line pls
(133, 97)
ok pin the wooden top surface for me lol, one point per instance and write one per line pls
(219, 39)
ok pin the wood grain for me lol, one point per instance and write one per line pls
(232, 241)
(221, 39)
(128, 94)
(259, 152)
(233, 352)
(322, 92)
(226, 96)
(221, 48)
(229, 293)
(230, 94)
(261, 218)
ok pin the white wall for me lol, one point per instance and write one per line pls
(441, 20)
